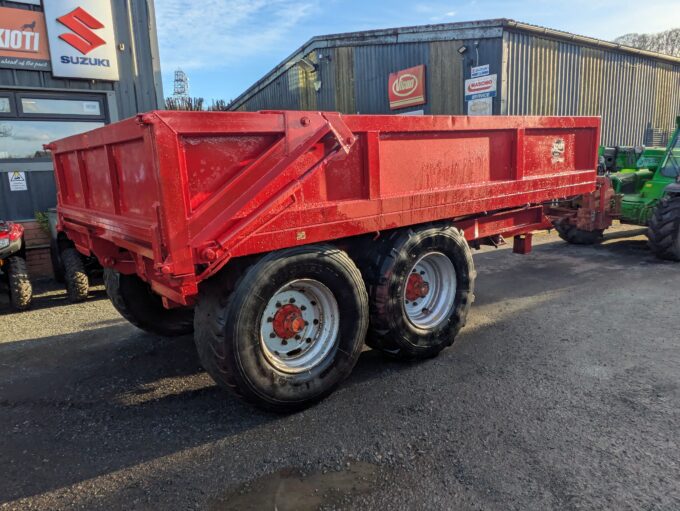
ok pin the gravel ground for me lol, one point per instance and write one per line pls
(562, 392)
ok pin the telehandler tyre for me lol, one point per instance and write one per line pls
(664, 229)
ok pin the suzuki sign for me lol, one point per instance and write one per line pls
(82, 42)
(407, 87)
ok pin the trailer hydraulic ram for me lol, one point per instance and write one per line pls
(289, 234)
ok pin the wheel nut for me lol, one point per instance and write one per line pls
(309, 339)
(272, 335)
(284, 342)
(278, 305)
(316, 321)
(297, 337)
(303, 308)
(292, 300)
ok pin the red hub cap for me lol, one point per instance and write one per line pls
(288, 321)
(416, 287)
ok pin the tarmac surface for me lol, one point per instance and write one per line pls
(563, 392)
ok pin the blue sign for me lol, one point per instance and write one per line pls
(478, 71)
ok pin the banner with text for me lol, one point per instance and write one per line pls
(23, 40)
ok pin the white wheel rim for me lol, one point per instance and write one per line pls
(430, 290)
(303, 342)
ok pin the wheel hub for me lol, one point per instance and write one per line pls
(430, 291)
(299, 326)
(288, 321)
(416, 287)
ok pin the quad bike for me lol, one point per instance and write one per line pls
(646, 193)
(13, 264)
(69, 266)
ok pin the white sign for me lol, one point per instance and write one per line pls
(482, 106)
(82, 41)
(478, 71)
(17, 181)
(32, 2)
(483, 87)
(413, 112)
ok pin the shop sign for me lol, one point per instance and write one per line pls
(82, 40)
(483, 106)
(483, 87)
(478, 71)
(407, 87)
(23, 40)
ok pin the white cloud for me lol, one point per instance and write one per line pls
(217, 33)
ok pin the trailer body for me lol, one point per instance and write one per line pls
(174, 196)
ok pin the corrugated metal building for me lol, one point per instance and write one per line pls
(539, 72)
(40, 102)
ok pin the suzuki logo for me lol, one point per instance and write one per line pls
(81, 22)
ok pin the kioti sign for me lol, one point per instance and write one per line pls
(82, 41)
(23, 40)
(407, 87)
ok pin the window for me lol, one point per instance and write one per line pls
(30, 105)
(671, 167)
(24, 139)
(5, 106)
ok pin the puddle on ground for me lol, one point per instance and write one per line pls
(289, 490)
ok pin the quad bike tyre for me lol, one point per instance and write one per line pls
(20, 289)
(664, 229)
(572, 234)
(284, 332)
(75, 277)
(134, 300)
(421, 287)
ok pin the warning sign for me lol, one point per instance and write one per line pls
(17, 181)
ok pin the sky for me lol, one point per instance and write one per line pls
(225, 46)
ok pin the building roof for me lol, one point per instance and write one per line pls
(482, 29)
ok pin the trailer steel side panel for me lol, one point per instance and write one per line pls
(173, 196)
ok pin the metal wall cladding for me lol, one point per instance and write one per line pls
(636, 96)
(139, 88)
(372, 66)
(354, 79)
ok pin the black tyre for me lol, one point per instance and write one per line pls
(57, 265)
(572, 234)
(664, 229)
(421, 287)
(75, 276)
(134, 300)
(284, 332)
(20, 289)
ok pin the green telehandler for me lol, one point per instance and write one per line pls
(646, 194)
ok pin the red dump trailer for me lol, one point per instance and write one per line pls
(284, 239)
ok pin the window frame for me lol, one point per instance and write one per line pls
(12, 106)
(19, 96)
